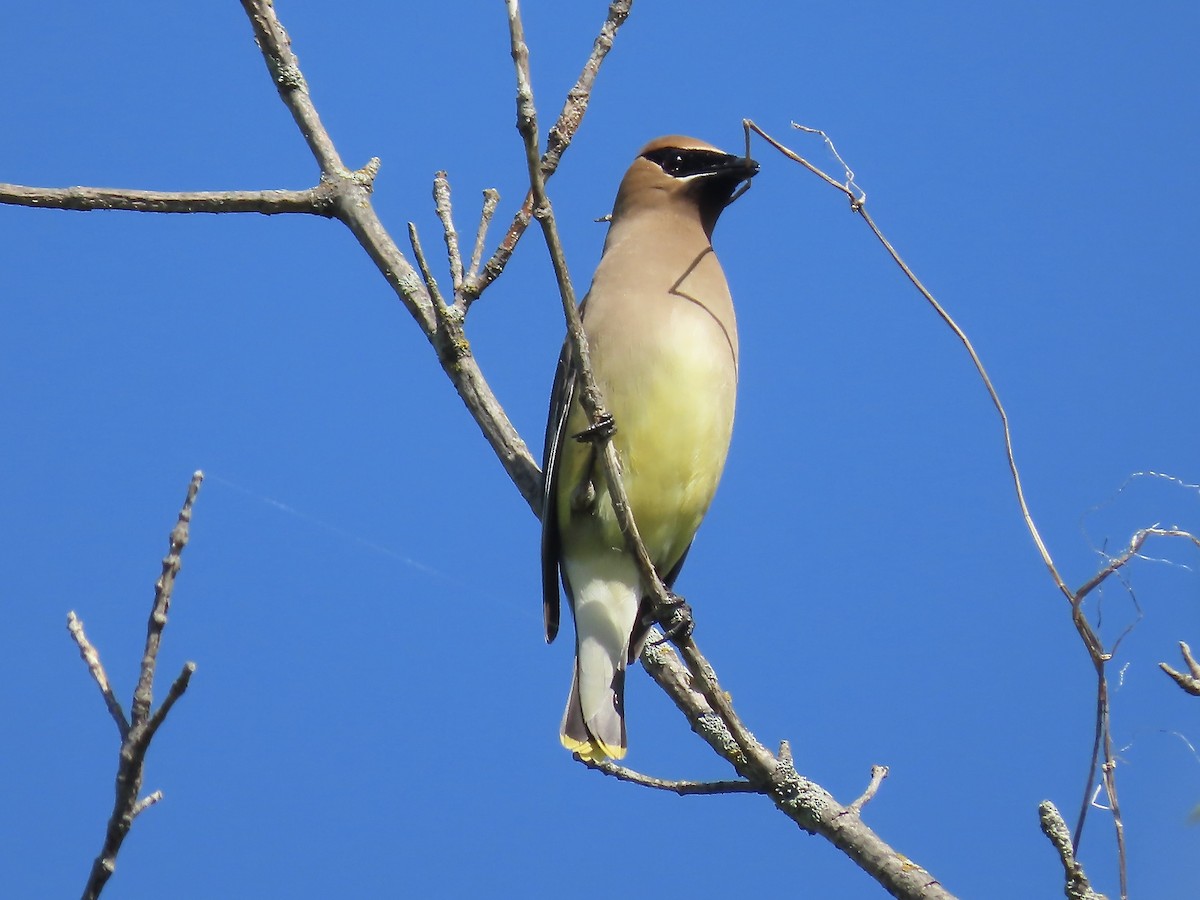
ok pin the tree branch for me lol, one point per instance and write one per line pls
(354, 209)
(317, 201)
(345, 195)
(1190, 681)
(445, 214)
(858, 205)
(491, 198)
(1053, 826)
(878, 773)
(682, 788)
(560, 136)
(91, 658)
(284, 67)
(136, 737)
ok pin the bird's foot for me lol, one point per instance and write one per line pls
(675, 618)
(602, 428)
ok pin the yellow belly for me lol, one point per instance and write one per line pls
(672, 397)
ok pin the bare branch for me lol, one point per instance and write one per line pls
(178, 686)
(560, 136)
(858, 205)
(136, 738)
(1102, 744)
(276, 49)
(1131, 551)
(345, 194)
(430, 281)
(441, 199)
(355, 210)
(1190, 681)
(1053, 826)
(682, 788)
(1086, 633)
(317, 201)
(143, 695)
(1108, 772)
(878, 773)
(491, 198)
(145, 803)
(1102, 738)
(92, 658)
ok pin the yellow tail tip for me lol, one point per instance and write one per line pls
(592, 750)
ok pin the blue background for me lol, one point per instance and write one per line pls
(374, 712)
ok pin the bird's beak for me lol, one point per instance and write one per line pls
(741, 168)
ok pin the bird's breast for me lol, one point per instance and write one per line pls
(671, 388)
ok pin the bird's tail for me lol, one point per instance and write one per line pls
(603, 735)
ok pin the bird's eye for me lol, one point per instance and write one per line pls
(683, 163)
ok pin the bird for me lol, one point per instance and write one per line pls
(663, 344)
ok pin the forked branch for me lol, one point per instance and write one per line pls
(137, 734)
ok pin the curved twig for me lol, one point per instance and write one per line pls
(1103, 757)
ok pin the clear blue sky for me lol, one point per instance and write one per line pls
(374, 711)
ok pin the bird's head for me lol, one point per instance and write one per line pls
(683, 171)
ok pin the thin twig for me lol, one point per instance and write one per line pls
(143, 695)
(145, 803)
(878, 773)
(1100, 656)
(560, 136)
(178, 686)
(682, 788)
(1108, 772)
(423, 264)
(91, 657)
(491, 198)
(316, 201)
(441, 199)
(1102, 744)
(857, 204)
(1099, 726)
(1102, 733)
(1132, 550)
(1189, 681)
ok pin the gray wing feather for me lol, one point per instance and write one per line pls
(556, 425)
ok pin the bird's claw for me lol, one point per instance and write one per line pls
(675, 618)
(604, 427)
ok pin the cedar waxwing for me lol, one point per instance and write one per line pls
(663, 344)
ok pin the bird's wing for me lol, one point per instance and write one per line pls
(556, 426)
